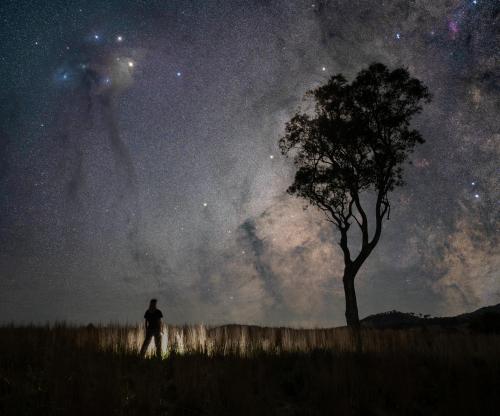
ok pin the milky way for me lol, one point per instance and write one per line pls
(139, 156)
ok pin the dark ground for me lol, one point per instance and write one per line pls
(42, 372)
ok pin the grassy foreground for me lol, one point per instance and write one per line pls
(238, 370)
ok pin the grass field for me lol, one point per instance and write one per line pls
(240, 370)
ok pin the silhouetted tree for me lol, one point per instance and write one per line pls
(353, 146)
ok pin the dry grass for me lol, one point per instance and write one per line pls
(247, 340)
(239, 370)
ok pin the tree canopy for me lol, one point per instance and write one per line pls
(356, 139)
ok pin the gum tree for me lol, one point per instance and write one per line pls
(349, 152)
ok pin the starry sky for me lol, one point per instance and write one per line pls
(139, 157)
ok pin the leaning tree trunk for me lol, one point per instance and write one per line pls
(351, 269)
(352, 266)
(351, 305)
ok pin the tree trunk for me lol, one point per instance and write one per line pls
(351, 305)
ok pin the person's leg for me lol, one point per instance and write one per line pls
(158, 344)
(145, 344)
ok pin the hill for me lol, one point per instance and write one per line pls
(485, 320)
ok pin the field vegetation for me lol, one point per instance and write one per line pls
(245, 370)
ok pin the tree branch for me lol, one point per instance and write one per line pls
(351, 213)
(344, 246)
(364, 219)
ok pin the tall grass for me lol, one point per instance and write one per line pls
(240, 370)
(242, 340)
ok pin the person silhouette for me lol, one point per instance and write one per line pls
(153, 328)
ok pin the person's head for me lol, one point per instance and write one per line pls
(152, 304)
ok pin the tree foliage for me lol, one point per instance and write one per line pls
(355, 140)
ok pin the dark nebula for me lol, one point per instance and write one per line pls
(139, 156)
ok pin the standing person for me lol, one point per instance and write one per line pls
(153, 328)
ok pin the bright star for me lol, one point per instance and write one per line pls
(178, 74)
(96, 37)
(205, 204)
(130, 64)
(473, 183)
(476, 196)
(271, 156)
(323, 68)
(119, 38)
(398, 35)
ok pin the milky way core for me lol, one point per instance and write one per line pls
(139, 157)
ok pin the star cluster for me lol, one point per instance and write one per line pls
(138, 157)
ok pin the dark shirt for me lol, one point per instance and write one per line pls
(153, 318)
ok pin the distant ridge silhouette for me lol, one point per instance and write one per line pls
(486, 319)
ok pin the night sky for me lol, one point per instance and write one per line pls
(139, 157)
